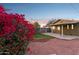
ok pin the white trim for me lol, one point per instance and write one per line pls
(62, 30)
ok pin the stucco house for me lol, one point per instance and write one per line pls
(65, 27)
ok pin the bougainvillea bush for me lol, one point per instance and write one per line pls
(15, 33)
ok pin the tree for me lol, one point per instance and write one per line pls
(37, 27)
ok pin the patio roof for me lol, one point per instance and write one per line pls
(64, 21)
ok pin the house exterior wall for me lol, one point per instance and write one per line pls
(56, 30)
(70, 31)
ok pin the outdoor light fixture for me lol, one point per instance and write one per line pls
(72, 26)
(58, 27)
(67, 26)
(53, 27)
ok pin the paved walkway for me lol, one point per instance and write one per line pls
(54, 47)
(69, 37)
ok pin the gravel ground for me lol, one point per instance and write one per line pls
(54, 47)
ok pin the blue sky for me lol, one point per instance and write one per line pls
(44, 11)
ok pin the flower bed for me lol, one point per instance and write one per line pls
(15, 33)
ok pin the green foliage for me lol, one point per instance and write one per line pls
(37, 27)
(42, 36)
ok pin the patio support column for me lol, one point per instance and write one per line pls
(62, 30)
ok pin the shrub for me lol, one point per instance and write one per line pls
(15, 33)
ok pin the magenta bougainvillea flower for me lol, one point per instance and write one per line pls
(15, 32)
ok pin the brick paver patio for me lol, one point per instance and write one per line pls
(55, 46)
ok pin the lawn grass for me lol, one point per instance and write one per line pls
(42, 36)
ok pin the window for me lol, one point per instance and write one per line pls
(72, 26)
(67, 26)
(58, 28)
(53, 27)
